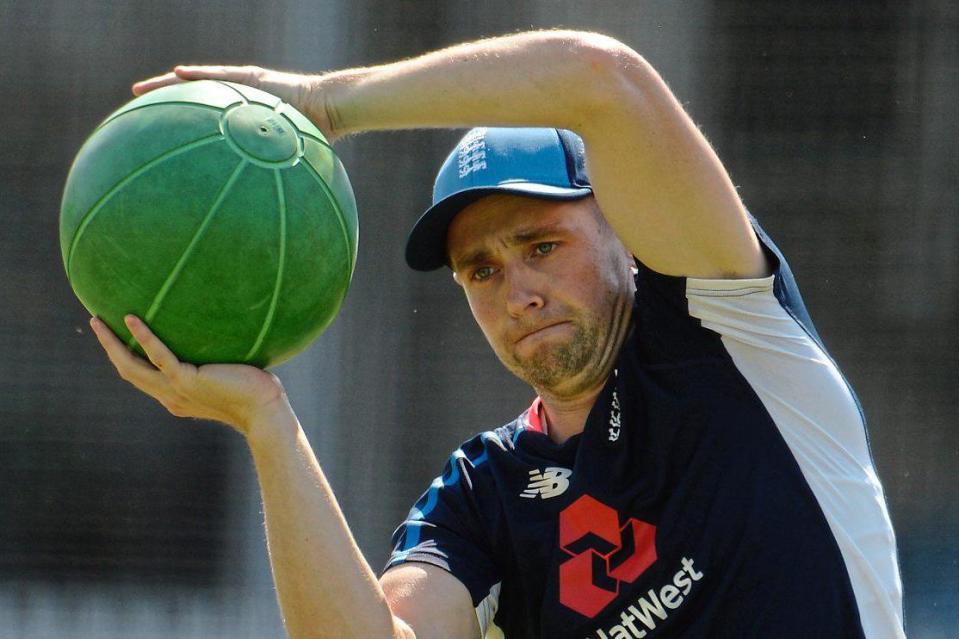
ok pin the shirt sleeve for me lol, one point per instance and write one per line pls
(447, 528)
(667, 332)
(765, 332)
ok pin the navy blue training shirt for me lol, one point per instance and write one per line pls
(722, 487)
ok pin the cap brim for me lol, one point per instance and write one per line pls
(426, 244)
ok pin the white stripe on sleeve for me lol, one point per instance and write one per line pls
(486, 610)
(816, 414)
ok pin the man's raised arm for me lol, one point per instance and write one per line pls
(656, 178)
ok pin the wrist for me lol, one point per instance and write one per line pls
(327, 97)
(320, 103)
(272, 424)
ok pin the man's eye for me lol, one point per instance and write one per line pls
(482, 273)
(545, 248)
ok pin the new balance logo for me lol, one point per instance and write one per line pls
(551, 482)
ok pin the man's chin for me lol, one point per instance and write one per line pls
(556, 365)
(547, 371)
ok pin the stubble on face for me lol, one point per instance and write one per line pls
(548, 366)
(575, 364)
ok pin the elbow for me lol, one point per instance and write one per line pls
(608, 75)
(401, 629)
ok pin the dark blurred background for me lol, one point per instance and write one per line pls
(836, 119)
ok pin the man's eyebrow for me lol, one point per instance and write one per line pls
(526, 235)
(469, 259)
(521, 236)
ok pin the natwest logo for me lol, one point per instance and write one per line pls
(602, 552)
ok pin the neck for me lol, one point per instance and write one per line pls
(565, 414)
(567, 417)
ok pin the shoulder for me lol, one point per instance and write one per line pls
(668, 319)
(488, 446)
(475, 457)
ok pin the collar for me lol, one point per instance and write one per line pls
(535, 420)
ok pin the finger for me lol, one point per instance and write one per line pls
(157, 352)
(242, 75)
(141, 87)
(129, 366)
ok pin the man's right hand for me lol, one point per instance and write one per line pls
(296, 89)
(238, 395)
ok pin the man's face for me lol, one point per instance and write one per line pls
(549, 285)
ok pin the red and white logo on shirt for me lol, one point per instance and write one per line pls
(602, 552)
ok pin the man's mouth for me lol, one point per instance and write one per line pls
(546, 329)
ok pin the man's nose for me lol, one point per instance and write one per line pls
(524, 291)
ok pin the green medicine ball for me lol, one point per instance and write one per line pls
(218, 214)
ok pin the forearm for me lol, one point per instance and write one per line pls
(553, 78)
(656, 179)
(324, 585)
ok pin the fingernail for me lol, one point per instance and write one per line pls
(94, 323)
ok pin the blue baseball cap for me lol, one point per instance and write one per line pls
(542, 163)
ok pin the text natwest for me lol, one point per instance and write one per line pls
(652, 608)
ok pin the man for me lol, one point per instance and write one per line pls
(694, 464)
